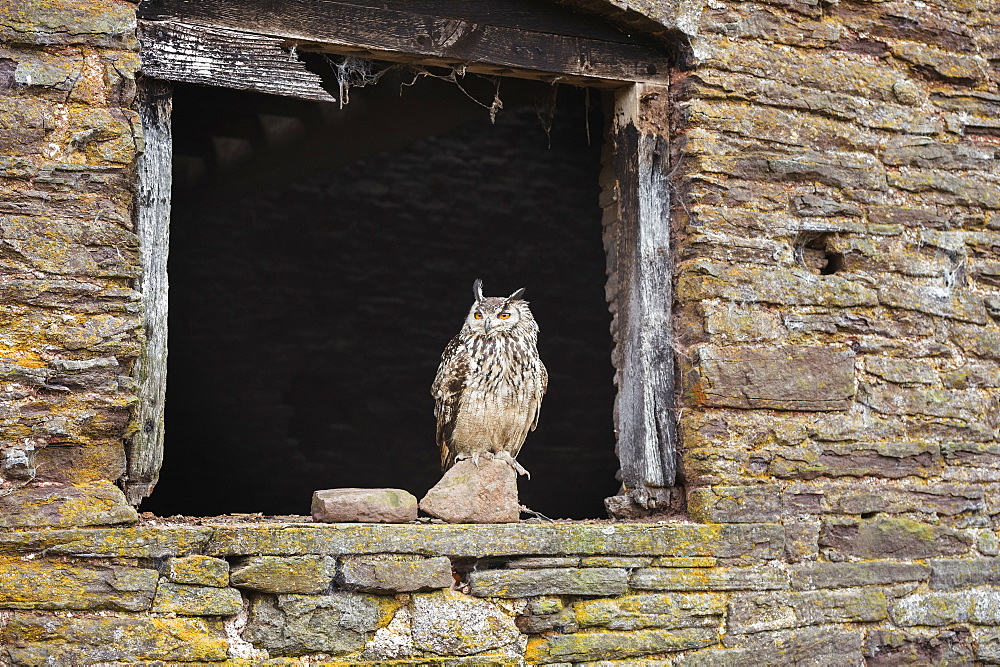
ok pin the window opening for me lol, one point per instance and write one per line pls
(322, 257)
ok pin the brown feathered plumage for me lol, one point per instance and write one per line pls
(489, 386)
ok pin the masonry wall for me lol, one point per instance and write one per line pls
(838, 291)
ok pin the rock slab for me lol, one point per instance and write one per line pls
(470, 493)
(364, 505)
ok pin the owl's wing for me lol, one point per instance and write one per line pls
(543, 384)
(449, 383)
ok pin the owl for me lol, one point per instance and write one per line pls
(489, 387)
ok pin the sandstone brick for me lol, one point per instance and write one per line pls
(894, 647)
(715, 579)
(369, 505)
(978, 606)
(818, 645)
(626, 561)
(471, 493)
(755, 612)
(39, 584)
(934, 301)
(714, 657)
(388, 574)
(292, 574)
(891, 498)
(196, 600)
(690, 561)
(95, 504)
(127, 542)
(947, 574)
(652, 610)
(750, 284)
(484, 625)
(792, 378)
(901, 371)
(103, 23)
(966, 405)
(891, 536)
(197, 570)
(336, 624)
(882, 459)
(946, 65)
(39, 639)
(563, 621)
(539, 562)
(616, 645)
(801, 540)
(735, 504)
(522, 583)
(522, 539)
(982, 342)
(951, 188)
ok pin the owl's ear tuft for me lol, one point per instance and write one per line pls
(477, 289)
(516, 295)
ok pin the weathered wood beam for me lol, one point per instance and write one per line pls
(176, 51)
(637, 239)
(144, 449)
(402, 34)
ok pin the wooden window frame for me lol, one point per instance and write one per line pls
(213, 44)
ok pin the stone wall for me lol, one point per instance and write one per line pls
(838, 291)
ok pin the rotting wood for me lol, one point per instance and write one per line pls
(637, 240)
(213, 56)
(144, 449)
(398, 35)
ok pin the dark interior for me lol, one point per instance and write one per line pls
(322, 257)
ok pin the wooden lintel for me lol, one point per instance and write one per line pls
(403, 34)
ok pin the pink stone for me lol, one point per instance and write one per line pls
(364, 505)
(467, 493)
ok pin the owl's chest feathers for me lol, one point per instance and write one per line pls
(500, 365)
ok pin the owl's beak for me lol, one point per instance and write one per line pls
(486, 326)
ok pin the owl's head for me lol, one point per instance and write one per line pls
(492, 315)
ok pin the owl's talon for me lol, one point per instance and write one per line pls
(512, 462)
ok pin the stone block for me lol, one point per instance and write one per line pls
(588, 646)
(364, 505)
(336, 624)
(103, 23)
(701, 281)
(934, 300)
(394, 574)
(977, 606)
(197, 570)
(190, 600)
(291, 574)
(901, 371)
(754, 540)
(888, 648)
(859, 459)
(972, 375)
(96, 504)
(593, 581)
(865, 497)
(961, 190)
(126, 542)
(966, 405)
(817, 645)
(845, 575)
(714, 657)
(475, 493)
(541, 562)
(735, 504)
(790, 378)
(715, 579)
(949, 574)
(41, 584)
(438, 616)
(979, 341)
(37, 639)
(755, 612)
(988, 646)
(972, 454)
(895, 537)
(673, 561)
(652, 610)
(617, 561)
(801, 540)
(563, 621)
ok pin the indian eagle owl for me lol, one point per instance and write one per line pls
(489, 387)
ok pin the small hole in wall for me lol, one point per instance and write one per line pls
(814, 253)
(868, 515)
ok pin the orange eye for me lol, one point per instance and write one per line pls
(503, 316)
(479, 316)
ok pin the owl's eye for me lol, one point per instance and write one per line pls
(503, 316)
(479, 316)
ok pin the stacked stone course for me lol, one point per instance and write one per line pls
(837, 225)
